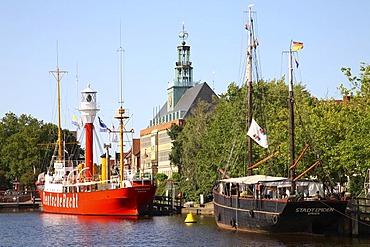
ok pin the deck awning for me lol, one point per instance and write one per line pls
(254, 179)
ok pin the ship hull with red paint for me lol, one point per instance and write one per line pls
(129, 201)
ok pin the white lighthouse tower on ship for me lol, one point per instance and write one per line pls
(88, 108)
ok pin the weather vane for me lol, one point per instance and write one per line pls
(183, 34)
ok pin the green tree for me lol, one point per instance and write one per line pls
(196, 168)
(358, 85)
(161, 183)
(19, 151)
(27, 145)
(353, 147)
(176, 149)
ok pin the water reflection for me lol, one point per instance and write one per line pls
(85, 219)
(42, 229)
(18, 210)
(85, 230)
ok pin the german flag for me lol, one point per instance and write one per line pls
(297, 46)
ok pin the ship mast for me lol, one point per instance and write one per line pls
(291, 121)
(249, 82)
(120, 117)
(58, 74)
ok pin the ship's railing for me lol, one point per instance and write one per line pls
(361, 205)
(68, 163)
(134, 176)
(74, 175)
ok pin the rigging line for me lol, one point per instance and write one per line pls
(263, 104)
(298, 69)
(77, 77)
(305, 129)
(75, 152)
(259, 62)
(233, 146)
(242, 75)
(128, 139)
(98, 141)
(82, 136)
(256, 65)
(121, 53)
(257, 55)
(255, 17)
(301, 122)
(309, 134)
(254, 48)
(55, 154)
(66, 115)
(230, 155)
(281, 64)
(236, 160)
(242, 57)
(46, 158)
(53, 102)
(258, 76)
(345, 215)
(271, 95)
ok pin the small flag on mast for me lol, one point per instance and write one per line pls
(103, 126)
(296, 62)
(75, 121)
(297, 46)
(258, 134)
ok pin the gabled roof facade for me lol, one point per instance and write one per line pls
(189, 100)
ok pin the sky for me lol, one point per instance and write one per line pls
(82, 38)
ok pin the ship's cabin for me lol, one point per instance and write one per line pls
(267, 187)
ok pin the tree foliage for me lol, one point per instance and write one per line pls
(195, 166)
(176, 149)
(26, 147)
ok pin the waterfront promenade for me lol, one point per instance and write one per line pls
(20, 205)
(206, 209)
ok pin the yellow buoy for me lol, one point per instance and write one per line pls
(190, 218)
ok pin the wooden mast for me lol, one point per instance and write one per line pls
(60, 144)
(249, 84)
(57, 75)
(291, 122)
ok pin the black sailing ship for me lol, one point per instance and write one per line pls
(260, 203)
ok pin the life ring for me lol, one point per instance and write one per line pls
(250, 213)
(275, 219)
(232, 223)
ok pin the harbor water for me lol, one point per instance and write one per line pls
(42, 229)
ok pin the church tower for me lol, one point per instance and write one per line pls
(183, 73)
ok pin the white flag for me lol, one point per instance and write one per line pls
(258, 134)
